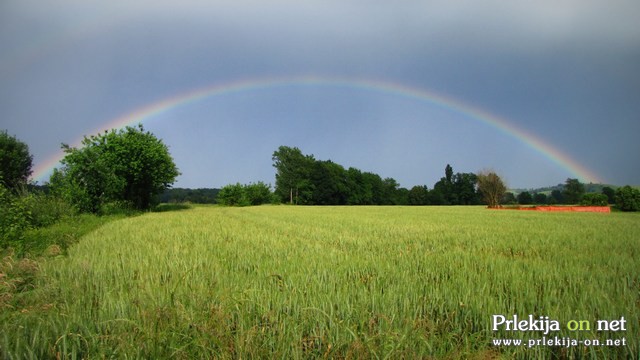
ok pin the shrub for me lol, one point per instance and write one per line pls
(594, 199)
(233, 195)
(14, 219)
(259, 193)
(628, 198)
(117, 207)
(244, 195)
(46, 210)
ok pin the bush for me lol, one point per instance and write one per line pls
(15, 219)
(233, 195)
(594, 199)
(245, 195)
(46, 210)
(117, 207)
(628, 198)
(259, 193)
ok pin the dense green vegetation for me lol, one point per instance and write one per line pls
(301, 179)
(15, 162)
(335, 282)
(194, 196)
(127, 168)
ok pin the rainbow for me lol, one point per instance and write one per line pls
(149, 111)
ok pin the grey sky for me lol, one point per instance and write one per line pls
(567, 73)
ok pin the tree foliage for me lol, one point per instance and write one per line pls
(14, 218)
(129, 166)
(418, 195)
(628, 198)
(293, 171)
(594, 199)
(557, 197)
(244, 195)
(525, 198)
(610, 194)
(301, 179)
(491, 187)
(540, 198)
(15, 162)
(573, 191)
(456, 189)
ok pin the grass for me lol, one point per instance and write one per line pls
(335, 282)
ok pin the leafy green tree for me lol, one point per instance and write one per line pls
(556, 197)
(126, 166)
(456, 189)
(15, 162)
(374, 182)
(71, 190)
(525, 198)
(418, 195)
(293, 171)
(448, 174)
(445, 187)
(233, 195)
(628, 198)
(389, 188)
(401, 196)
(573, 191)
(610, 193)
(594, 199)
(359, 191)
(330, 185)
(258, 193)
(540, 198)
(244, 195)
(492, 188)
(436, 197)
(464, 187)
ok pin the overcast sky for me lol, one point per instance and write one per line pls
(565, 72)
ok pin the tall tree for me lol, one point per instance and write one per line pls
(491, 187)
(359, 192)
(464, 188)
(573, 191)
(129, 165)
(15, 161)
(330, 185)
(448, 174)
(389, 188)
(293, 171)
(443, 191)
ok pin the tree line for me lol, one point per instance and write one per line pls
(131, 168)
(302, 179)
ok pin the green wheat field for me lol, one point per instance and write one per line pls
(295, 282)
